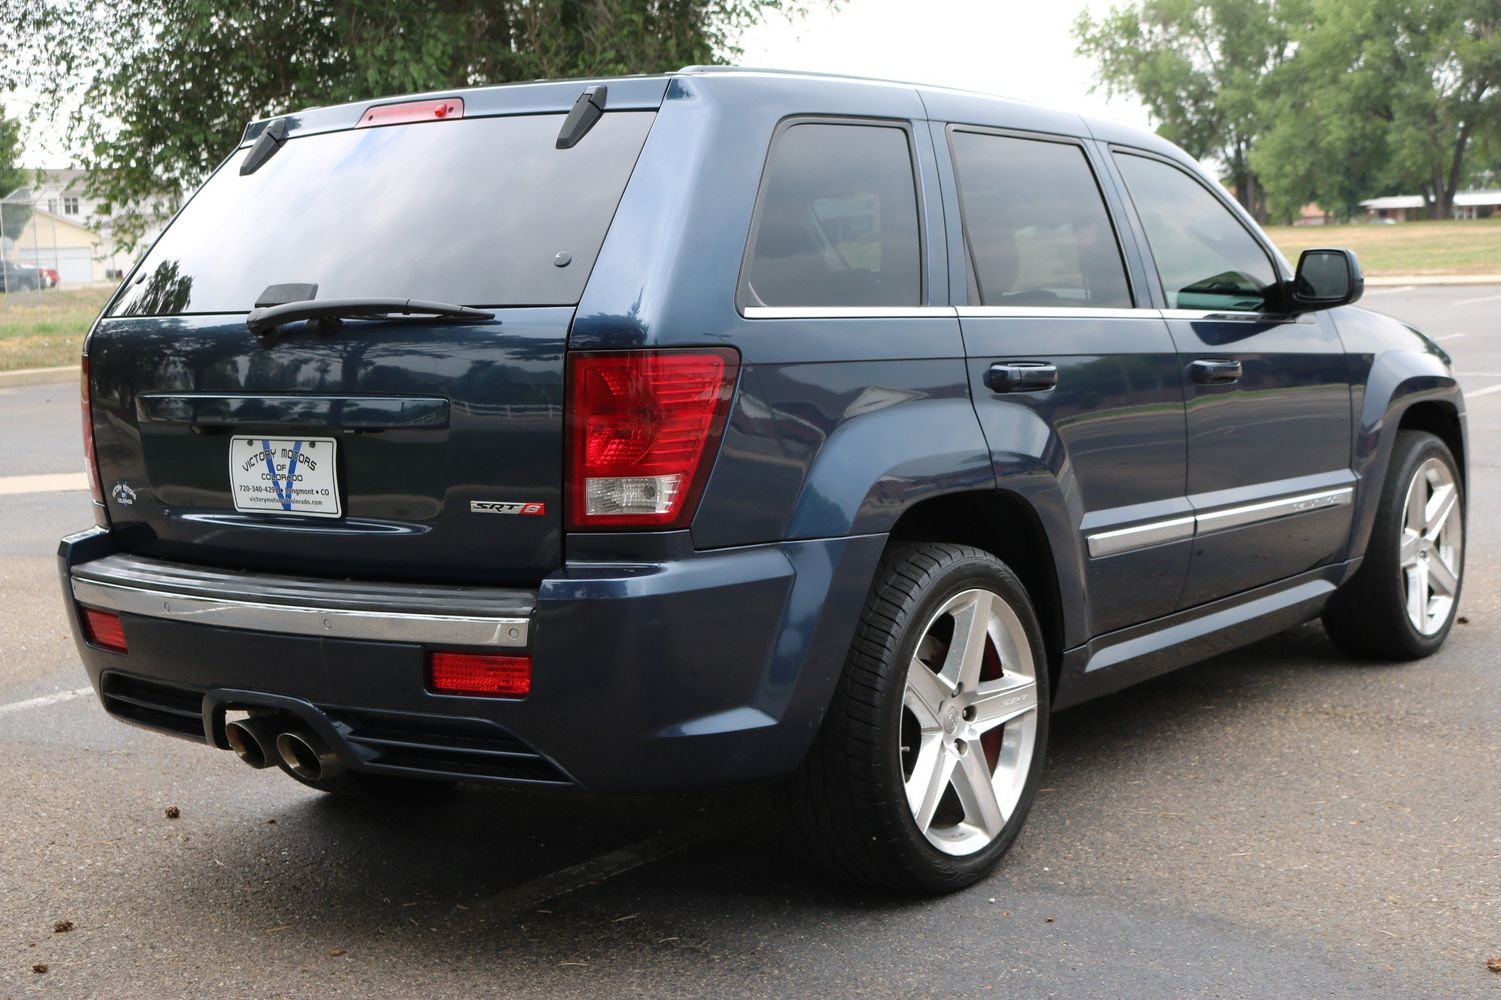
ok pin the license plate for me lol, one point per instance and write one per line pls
(284, 475)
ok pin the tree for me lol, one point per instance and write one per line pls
(168, 85)
(1202, 69)
(13, 215)
(1389, 95)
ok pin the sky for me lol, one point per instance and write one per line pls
(1013, 48)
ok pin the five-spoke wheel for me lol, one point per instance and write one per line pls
(929, 756)
(1400, 604)
(969, 722)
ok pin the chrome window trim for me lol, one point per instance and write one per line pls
(1179, 528)
(1140, 536)
(1271, 510)
(334, 623)
(1054, 312)
(848, 312)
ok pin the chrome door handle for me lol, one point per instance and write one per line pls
(1215, 372)
(1021, 376)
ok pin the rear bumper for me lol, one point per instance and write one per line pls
(697, 670)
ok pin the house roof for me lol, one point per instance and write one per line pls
(1487, 197)
(1394, 201)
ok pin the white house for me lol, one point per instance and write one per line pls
(1402, 207)
(69, 232)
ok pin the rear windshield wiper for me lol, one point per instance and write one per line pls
(263, 320)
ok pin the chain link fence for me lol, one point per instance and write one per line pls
(49, 239)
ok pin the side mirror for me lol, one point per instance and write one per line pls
(1325, 279)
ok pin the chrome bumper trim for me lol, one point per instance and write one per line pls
(328, 622)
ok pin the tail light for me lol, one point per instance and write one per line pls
(91, 463)
(481, 674)
(104, 629)
(643, 430)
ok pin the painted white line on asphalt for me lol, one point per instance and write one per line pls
(560, 883)
(1388, 291)
(51, 483)
(46, 699)
(1476, 302)
(1451, 336)
(1482, 392)
(1478, 374)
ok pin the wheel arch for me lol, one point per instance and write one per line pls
(1007, 526)
(1439, 417)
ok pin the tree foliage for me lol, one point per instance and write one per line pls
(13, 215)
(1388, 95)
(1314, 100)
(167, 85)
(1201, 68)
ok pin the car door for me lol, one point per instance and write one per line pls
(1068, 363)
(1268, 394)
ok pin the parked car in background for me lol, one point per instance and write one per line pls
(18, 277)
(728, 426)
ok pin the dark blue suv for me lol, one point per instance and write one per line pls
(678, 431)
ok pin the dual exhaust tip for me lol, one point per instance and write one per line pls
(267, 740)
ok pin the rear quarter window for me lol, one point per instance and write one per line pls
(473, 212)
(836, 221)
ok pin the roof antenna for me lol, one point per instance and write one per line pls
(586, 111)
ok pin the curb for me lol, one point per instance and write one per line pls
(38, 376)
(1431, 280)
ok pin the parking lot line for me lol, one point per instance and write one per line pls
(46, 699)
(1483, 392)
(1476, 302)
(1451, 336)
(55, 482)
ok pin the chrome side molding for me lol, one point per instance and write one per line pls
(1177, 529)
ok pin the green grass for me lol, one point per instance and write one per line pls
(1471, 246)
(46, 328)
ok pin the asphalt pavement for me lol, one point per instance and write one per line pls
(1277, 822)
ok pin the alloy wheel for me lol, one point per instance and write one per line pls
(1432, 546)
(969, 722)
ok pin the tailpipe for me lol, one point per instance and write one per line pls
(307, 756)
(254, 739)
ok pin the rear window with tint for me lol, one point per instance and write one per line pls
(472, 212)
(837, 221)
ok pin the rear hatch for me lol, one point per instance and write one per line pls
(416, 448)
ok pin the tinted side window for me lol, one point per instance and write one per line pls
(1205, 257)
(837, 221)
(1036, 224)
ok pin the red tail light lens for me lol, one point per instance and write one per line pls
(643, 429)
(482, 674)
(91, 464)
(103, 629)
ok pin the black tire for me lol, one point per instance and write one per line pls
(386, 787)
(1368, 616)
(848, 800)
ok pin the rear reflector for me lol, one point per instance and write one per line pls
(103, 629)
(482, 674)
(412, 111)
(644, 427)
(91, 463)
